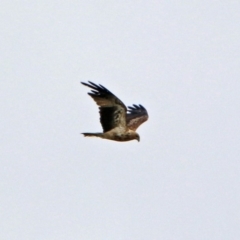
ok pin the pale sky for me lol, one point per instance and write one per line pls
(180, 60)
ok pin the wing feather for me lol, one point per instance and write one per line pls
(136, 116)
(112, 109)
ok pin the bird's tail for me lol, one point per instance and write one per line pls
(92, 134)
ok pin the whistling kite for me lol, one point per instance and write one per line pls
(118, 122)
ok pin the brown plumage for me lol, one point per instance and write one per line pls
(118, 122)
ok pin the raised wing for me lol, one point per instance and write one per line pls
(112, 109)
(136, 116)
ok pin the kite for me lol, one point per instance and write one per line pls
(119, 123)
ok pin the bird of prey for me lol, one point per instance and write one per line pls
(118, 122)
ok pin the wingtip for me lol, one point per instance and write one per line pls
(83, 83)
(136, 108)
(91, 82)
(142, 106)
(87, 82)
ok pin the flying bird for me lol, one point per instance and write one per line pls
(119, 123)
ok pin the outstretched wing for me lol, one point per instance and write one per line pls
(112, 109)
(136, 116)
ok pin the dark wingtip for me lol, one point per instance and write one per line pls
(83, 83)
(141, 106)
(98, 89)
(93, 84)
(136, 107)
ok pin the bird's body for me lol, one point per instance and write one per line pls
(118, 122)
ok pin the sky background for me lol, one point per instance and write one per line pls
(180, 60)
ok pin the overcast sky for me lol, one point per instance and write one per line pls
(180, 60)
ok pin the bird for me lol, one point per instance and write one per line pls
(119, 123)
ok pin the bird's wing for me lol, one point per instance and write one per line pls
(136, 116)
(112, 109)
